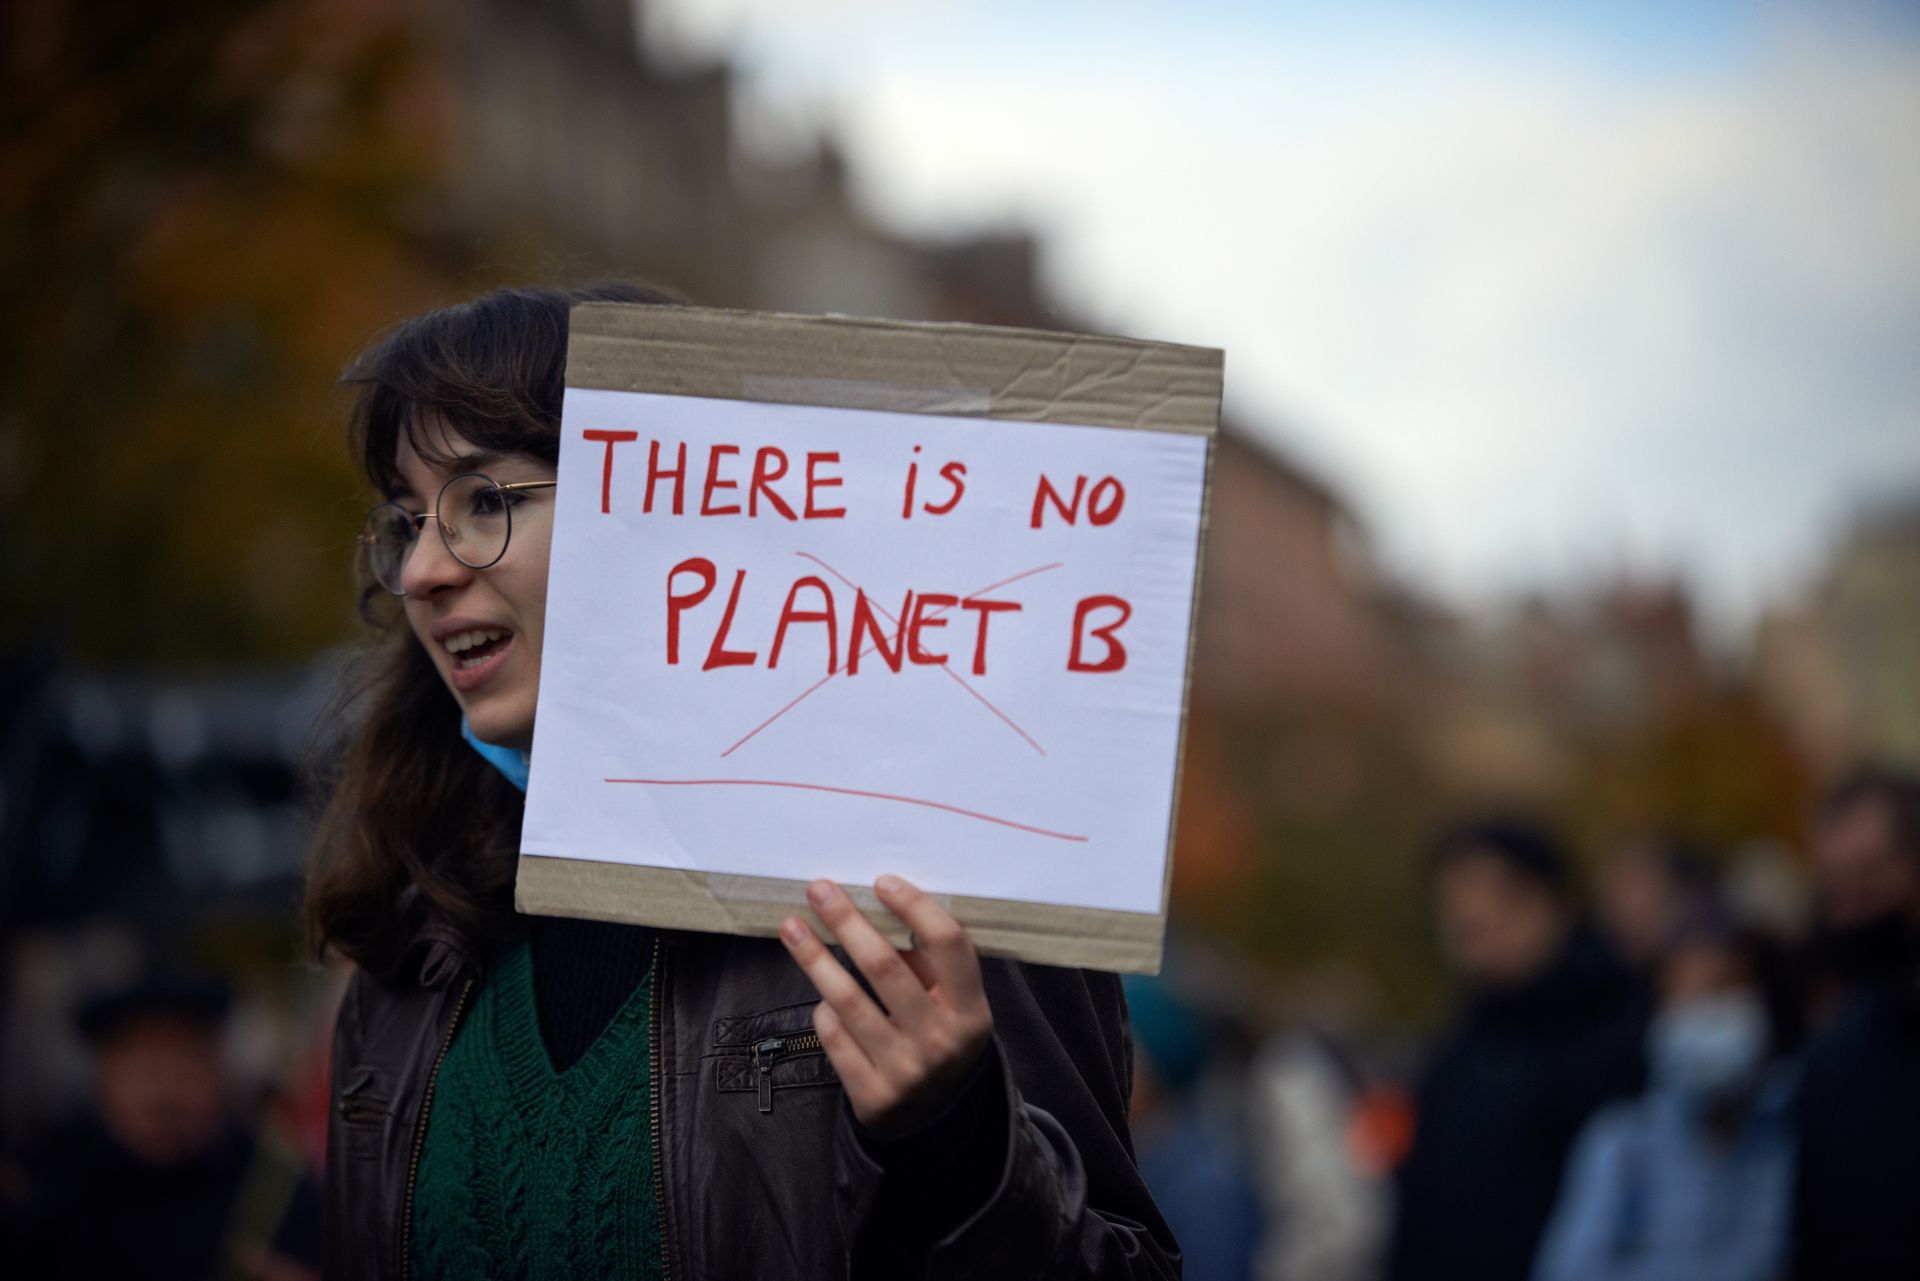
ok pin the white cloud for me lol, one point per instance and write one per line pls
(1538, 315)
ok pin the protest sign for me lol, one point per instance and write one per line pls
(834, 597)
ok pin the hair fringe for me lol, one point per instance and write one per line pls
(413, 825)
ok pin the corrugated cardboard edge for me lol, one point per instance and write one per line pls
(674, 898)
(1032, 375)
(911, 367)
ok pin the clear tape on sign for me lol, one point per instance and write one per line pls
(850, 393)
(729, 887)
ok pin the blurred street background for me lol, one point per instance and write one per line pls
(1570, 473)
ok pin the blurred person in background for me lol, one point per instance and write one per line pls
(1859, 1185)
(162, 1178)
(1549, 1032)
(1186, 1140)
(1866, 879)
(1693, 1180)
(1316, 1135)
(1647, 886)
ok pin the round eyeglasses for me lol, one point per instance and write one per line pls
(475, 517)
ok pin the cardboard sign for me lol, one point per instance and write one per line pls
(838, 598)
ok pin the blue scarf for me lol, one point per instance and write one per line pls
(510, 761)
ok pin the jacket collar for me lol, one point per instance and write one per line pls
(437, 954)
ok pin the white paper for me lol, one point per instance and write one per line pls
(1028, 782)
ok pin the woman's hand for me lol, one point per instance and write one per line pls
(900, 1065)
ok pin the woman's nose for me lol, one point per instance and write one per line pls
(430, 567)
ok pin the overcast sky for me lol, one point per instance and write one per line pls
(1547, 294)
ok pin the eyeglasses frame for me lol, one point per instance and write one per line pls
(420, 519)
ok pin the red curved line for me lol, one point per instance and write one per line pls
(846, 791)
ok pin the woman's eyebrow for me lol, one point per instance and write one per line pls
(480, 460)
(456, 464)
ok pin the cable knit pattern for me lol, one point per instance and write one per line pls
(529, 1173)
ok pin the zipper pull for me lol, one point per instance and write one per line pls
(763, 1055)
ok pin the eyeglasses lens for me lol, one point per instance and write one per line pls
(475, 520)
(386, 538)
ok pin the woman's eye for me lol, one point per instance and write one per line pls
(492, 502)
(392, 528)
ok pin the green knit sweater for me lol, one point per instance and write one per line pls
(531, 1173)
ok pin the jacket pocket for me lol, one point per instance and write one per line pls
(363, 1108)
(773, 1050)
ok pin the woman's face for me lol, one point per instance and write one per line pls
(482, 627)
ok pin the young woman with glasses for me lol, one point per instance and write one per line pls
(532, 1097)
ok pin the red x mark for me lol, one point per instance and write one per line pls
(983, 700)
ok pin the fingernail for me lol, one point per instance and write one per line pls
(819, 893)
(889, 884)
(793, 931)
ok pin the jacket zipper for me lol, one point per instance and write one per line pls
(765, 1052)
(420, 1133)
(653, 1106)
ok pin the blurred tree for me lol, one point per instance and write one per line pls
(1300, 834)
(203, 208)
(1718, 770)
(1298, 842)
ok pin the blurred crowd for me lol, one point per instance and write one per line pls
(166, 1168)
(1656, 1077)
(1651, 1071)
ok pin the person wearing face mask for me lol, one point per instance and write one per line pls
(1693, 1180)
(1858, 1213)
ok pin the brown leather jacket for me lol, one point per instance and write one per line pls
(761, 1173)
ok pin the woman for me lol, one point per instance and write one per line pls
(539, 1097)
(1693, 1180)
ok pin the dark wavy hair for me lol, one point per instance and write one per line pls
(1522, 845)
(415, 825)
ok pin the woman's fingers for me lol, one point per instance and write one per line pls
(922, 966)
(940, 940)
(899, 988)
(902, 1064)
(866, 1021)
(863, 1082)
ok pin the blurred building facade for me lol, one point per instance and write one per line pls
(1842, 670)
(1290, 610)
(567, 136)
(1513, 690)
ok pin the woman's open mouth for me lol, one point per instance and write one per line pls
(477, 654)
